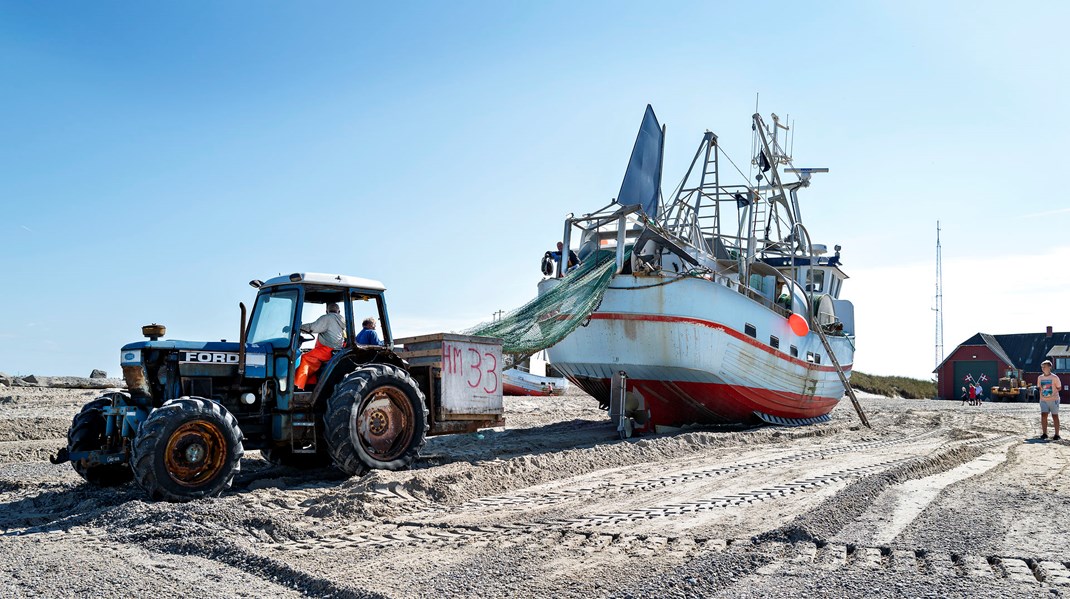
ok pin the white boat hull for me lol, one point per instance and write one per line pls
(685, 347)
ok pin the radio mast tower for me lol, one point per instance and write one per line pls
(939, 309)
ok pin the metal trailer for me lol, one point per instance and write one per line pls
(461, 376)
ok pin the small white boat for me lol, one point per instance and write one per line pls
(519, 382)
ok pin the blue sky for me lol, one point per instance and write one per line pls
(156, 157)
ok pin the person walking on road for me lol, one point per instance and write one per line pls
(1049, 386)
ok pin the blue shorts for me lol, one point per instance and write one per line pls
(1049, 407)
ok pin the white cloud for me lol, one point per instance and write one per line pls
(1019, 293)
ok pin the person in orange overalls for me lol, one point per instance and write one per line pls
(331, 330)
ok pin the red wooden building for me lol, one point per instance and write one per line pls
(985, 358)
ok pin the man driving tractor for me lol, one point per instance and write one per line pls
(330, 329)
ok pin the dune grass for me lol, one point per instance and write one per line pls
(893, 386)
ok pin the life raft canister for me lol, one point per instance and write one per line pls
(547, 264)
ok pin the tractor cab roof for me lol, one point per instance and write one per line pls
(325, 280)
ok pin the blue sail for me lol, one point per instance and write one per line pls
(642, 180)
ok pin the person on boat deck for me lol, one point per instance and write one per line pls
(1049, 386)
(367, 334)
(573, 259)
(331, 328)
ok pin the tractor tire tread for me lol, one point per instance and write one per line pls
(153, 431)
(339, 406)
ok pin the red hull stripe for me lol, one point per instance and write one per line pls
(718, 326)
(678, 404)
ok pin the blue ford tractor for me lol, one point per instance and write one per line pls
(192, 409)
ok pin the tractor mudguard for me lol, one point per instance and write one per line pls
(347, 360)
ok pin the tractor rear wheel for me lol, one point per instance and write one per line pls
(87, 434)
(376, 418)
(186, 449)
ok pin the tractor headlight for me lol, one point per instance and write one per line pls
(130, 357)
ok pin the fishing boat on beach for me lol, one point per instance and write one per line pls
(697, 316)
(714, 307)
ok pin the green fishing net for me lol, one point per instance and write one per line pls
(550, 317)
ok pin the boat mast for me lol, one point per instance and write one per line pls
(774, 155)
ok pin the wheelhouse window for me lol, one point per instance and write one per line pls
(815, 286)
(273, 318)
(1062, 364)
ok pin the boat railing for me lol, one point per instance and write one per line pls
(764, 300)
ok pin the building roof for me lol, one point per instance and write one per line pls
(1024, 351)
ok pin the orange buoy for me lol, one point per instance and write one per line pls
(798, 325)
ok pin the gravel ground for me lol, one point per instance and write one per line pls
(937, 500)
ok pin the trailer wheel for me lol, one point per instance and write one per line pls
(186, 449)
(284, 456)
(87, 434)
(376, 418)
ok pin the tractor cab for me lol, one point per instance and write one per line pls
(284, 303)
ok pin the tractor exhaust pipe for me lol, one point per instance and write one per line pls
(242, 332)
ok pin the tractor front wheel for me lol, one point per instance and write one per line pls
(87, 433)
(376, 419)
(186, 449)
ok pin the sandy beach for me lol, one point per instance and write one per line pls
(937, 499)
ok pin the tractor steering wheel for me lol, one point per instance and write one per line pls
(305, 337)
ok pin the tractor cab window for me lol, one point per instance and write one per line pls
(318, 304)
(366, 307)
(273, 318)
